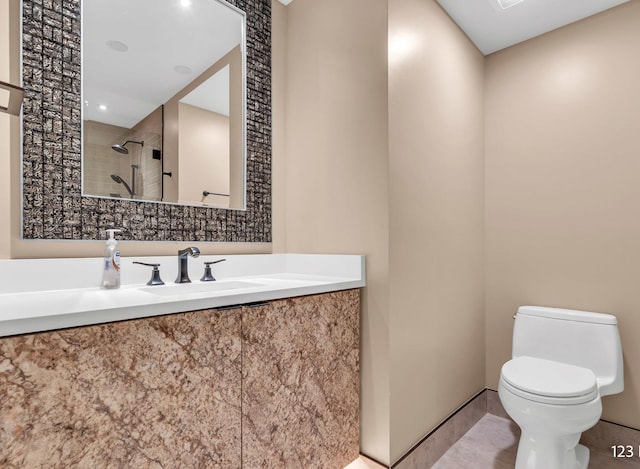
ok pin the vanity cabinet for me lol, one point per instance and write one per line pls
(300, 382)
(268, 386)
(157, 392)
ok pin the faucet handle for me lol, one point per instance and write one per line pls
(208, 277)
(155, 273)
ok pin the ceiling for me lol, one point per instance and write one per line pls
(213, 94)
(492, 28)
(164, 36)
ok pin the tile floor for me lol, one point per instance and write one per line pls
(364, 463)
(492, 443)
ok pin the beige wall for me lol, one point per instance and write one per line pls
(426, 234)
(172, 142)
(278, 125)
(5, 141)
(436, 213)
(336, 165)
(9, 126)
(563, 184)
(204, 155)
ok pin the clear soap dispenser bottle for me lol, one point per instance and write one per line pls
(111, 264)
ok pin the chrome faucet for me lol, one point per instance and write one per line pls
(183, 271)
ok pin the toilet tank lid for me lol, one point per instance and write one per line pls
(568, 314)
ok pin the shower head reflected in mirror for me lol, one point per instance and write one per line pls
(119, 180)
(121, 148)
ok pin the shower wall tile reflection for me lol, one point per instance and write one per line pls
(149, 171)
(101, 161)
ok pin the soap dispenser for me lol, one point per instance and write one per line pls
(111, 265)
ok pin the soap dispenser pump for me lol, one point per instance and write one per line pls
(111, 265)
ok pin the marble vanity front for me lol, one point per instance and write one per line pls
(266, 377)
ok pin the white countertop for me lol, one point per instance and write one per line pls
(47, 294)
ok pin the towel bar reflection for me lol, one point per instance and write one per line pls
(206, 193)
(16, 95)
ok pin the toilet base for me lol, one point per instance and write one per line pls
(582, 455)
(551, 453)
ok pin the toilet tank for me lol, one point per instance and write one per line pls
(581, 338)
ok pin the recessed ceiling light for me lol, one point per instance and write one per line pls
(508, 3)
(185, 3)
(182, 70)
(102, 107)
(117, 46)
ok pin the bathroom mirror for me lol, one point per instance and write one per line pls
(53, 203)
(163, 101)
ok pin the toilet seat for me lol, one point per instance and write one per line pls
(549, 382)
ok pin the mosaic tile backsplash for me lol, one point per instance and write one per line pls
(53, 206)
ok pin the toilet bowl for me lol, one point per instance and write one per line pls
(552, 403)
(563, 362)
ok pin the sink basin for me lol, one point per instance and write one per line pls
(188, 288)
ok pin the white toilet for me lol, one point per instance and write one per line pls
(563, 362)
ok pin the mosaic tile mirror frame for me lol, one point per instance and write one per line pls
(53, 205)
